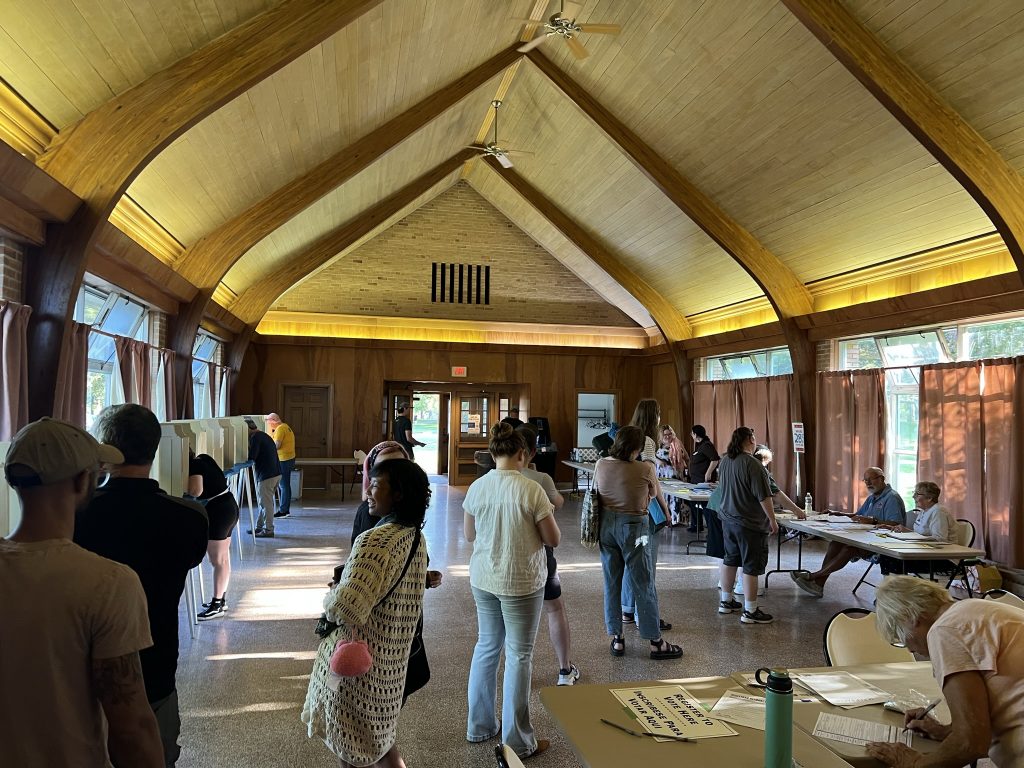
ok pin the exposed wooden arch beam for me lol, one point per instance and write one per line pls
(254, 301)
(784, 290)
(995, 186)
(101, 155)
(207, 261)
(672, 324)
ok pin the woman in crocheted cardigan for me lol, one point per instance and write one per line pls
(357, 717)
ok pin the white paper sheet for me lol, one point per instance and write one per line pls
(850, 730)
(841, 689)
(740, 708)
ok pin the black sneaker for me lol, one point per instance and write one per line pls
(264, 534)
(258, 531)
(214, 608)
(729, 606)
(285, 513)
(757, 617)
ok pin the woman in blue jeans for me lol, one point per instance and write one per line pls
(509, 519)
(624, 489)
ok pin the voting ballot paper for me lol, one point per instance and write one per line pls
(850, 730)
(841, 689)
(670, 710)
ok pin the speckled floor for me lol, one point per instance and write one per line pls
(242, 680)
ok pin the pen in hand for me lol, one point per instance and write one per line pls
(932, 705)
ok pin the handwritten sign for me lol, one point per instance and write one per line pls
(670, 710)
(798, 437)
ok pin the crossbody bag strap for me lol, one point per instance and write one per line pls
(408, 561)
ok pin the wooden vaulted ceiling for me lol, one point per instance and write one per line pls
(792, 171)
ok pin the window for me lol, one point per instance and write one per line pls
(766, 362)
(205, 399)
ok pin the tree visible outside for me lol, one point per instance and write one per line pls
(426, 414)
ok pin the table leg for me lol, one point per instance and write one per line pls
(778, 556)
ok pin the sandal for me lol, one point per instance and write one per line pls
(628, 618)
(662, 649)
(621, 649)
(663, 625)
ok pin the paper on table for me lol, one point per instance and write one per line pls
(740, 708)
(841, 689)
(910, 536)
(670, 710)
(853, 731)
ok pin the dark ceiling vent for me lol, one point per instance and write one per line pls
(460, 283)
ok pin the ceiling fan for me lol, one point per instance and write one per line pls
(492, 149)
(563, 24)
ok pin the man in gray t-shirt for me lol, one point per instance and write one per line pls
(748, 519)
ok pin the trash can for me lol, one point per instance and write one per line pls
(296, 483)
(484, 462)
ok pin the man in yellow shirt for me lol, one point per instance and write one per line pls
(284, 438)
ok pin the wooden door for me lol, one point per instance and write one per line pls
(444, 429)
(472, 414)
(307, 410)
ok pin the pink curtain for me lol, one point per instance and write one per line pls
(781, 415)
(703, 409)
(13, 367)
(727, 414)
(73, 374)
(1002, 418)
(753, 399)
(166, 358)
(850, 435)
(133, 362)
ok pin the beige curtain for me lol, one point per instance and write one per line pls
(753, 400)
(133, 363)
(727, 414)
(703, 409)
(1002, 410)
(73, 374)
(766, 406)
(950, 437)
(850, 435)
(13, 367)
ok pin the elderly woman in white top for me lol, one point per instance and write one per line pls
(509, 520)
(976, 648)
(933, 519)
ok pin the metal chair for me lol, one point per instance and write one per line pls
(506, 758)
(1002, 596)
(359, 456)
(851, 637)
(965, 538)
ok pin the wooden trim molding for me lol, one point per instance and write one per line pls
(135, 221)
(22, 127)
(995, 186)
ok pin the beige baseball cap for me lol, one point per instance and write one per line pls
(55, 450)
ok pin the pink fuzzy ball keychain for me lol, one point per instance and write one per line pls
(351, 658)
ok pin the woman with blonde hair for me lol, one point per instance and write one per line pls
(673, 459)
(647, 418)
(508, 519)
(976, 648)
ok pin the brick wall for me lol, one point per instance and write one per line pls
(391, 275)
(157, 328)
(823, 355)
(12, 260)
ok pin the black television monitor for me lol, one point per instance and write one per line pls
(540, 423)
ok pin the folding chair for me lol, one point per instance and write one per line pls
(965, 538)
(851, 637)
(506, 758)
(1002, 596)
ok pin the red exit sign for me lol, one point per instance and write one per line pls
(459, 371)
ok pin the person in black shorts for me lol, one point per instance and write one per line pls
(207, 484)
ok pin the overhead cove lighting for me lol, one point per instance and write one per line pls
(460, 283)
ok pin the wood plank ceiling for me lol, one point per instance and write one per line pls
(737, 95)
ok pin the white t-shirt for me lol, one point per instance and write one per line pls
(987, 637)
(937, 522)
(508, 555)
(62, 608)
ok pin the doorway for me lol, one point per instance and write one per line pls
(306, 408)
(429, 423)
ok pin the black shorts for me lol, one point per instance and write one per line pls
(223, 513)
(745, 547)
(553, 586)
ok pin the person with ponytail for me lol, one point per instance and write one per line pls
(508, 519)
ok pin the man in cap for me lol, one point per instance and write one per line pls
(131, 520)
(284, 439)
(73, 622)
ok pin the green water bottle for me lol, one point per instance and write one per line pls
(778, 720)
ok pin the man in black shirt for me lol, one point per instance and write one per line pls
(513, 418)
(403, 429)
(132, 521)
(267, 468)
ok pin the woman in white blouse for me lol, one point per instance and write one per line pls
(508, 518)
(933, 519)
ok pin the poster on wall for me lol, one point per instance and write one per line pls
(798, 437)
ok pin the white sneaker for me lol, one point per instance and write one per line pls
(738, 588)
(570, 677)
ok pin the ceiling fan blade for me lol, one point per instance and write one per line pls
(577, 48)
(601, 29)
(571, 10)
(476, 147)
(519, 152)
(533, 43)
(505, 162)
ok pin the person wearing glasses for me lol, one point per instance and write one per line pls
(976, 648)
(131, 520)
(882, 507)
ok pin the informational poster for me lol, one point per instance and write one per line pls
(671, 710)
(798, 436)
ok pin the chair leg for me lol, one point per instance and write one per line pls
(862, 578)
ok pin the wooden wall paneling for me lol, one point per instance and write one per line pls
(33, 190)
(98, 157)
(257, 299)
(207, 261)
(991, 181)
(19, 225)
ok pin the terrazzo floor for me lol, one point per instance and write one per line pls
(242, 679)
